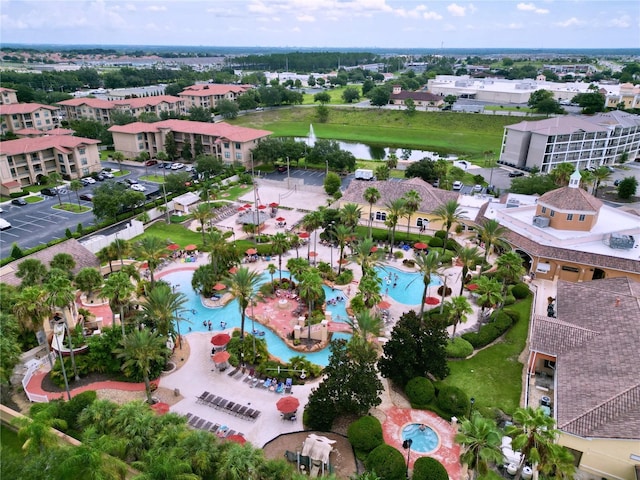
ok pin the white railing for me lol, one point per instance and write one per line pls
(34, 366)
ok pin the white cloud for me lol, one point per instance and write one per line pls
(448, 27)
(456, 10)
(259, 7)
(621, 22)
(431, 16)
(515, 26)
(571, 22)
(530, 7)
(306, 18)
(296, 30)
(156, 8)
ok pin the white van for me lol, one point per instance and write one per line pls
(4, 224)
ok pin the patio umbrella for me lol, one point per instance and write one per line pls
(251, 251)
(221, 357)
(420, 246)
(233, 270)
(287, 404)
(384, 305)
(280, 219)
(374, 249)
(220, 340)
(247, 205)
(160, 408)
(313, 254)
(173, 247)
(472, 286)
(303, 234)
(144, 265)
(273, 205)
(343, 261)
(432, 300)
(219, 286)
(191, 247)
(261, 207)
(241, 209)
(237, 439)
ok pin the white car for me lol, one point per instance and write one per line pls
(107, 174)
(189, 168)
(4, 224)
(138, 188)
(89, 180)
(477, 188)
(457, 185)
(177, 166)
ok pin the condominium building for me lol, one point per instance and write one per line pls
(19, 116)
(230, 143)
(584, 141)
(7, 96)
(100, 110)
(207, 95)
(26, 159)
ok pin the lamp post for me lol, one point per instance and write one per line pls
(471, 402)
(174, 287)
(407, 446)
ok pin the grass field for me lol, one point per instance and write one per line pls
(153, 178)
(494, 375)
(335, 94)
(173, 233)
(445, 132)
(33, 199)
(72, 207)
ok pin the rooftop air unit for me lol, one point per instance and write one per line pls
(621, 242)
(540, 221)
(513, 203)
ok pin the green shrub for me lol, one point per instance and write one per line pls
(520, 291)
(487, 334)
(398, 254)
(452, 244)
(428, 468)
(509, 300)
(447, 256)
(387, 462)
(515, 316)
(459, 348)
(18, 194)
(67, 233)
(436, 242)
(319, 414)
(365, 434)
(408, 263)
(420, 392)
(502, 321)
(345, 277)
(453, 400)
(441, 234)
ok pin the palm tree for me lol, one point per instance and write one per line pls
(107, 255)
(88, 280)
(118, 289)
(242, 286)
(600, 175)
(459, 307)
(75, 186)
(56, 178)
(510, 269)
(371, 195)
(222, 254)
(279, 245)
(311, 222)
(427, 264)
(342, 233)
(294, 242)
(395, 209)
(449, 212)
(37, 431)
(159, 464)
(118, 157)
(310, 289)
(240, 462)
(89, 462)
(139, 350)
(31, 310)
(364, 254)
(560, 463)
(533, 433)
(369, 288)
(366, 324)
(413, 201)
(120, 248)
(481, 440)
(162, 307)
(202, 213)
(31, 271)
(491, 233)
(350, 215)
(488, 294)
(562, 173)
(61, 294)
(469, 257)
(64, 262)
(152, 250)
(271, 268)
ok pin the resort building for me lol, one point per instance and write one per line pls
(22, 161)
(629, 96)
(100, 110)
(583, 368)
(18, 116)
(430, 199)
(567, 234)
(8, 96)
(420, 99)
(584, 141)
(229, 143)
(207, 95)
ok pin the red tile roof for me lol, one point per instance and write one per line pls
(148, 101)
(38, 133)
(28, 145)
(570, 199)
(3, 89)
(19, 108)
(90, 102)
(222, 129)
(207, 89)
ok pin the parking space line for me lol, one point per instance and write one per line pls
(9, 234)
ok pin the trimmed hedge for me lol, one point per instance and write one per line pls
(427, 468)
(420, 392)
(440, 234)
(436, 242)
(459, 348)
(387, 462)
(365, 434)
(520, 291)
(453, 400)
(452, 244)
(499, 323)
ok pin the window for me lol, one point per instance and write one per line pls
(227, 155)
(569, 217)
(544, 209)
(226, 144)
(81, 151)
(381, 216)
(237, 146)
(550, 364)
(581, 218)
(543, 267)
(552, 213)
(83, 161)
(238, 156)
(570, 269)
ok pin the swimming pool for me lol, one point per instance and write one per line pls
(196, 313)
(409, 285)
(424, 439)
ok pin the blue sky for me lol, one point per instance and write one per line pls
(326, 23)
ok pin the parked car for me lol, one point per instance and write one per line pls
(101, 177)
(19, 201)
(86, 196)
(148, 163)
(4, 224)
(49, 192)
(189, 168)
(477, 188)
(457, 185)
(106, 174)
(131, 181)
(177, 166)
(138, 188)
(616, 182)
(282, 169)
(516, 174)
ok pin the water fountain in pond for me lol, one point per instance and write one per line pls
(311, 137)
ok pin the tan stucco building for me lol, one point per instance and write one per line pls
(19, 116)
(100, 110)
(207, 95)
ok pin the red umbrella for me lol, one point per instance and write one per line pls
(219, 286)
(374, 249)
(160, 408)
(247, 205)
(261, 207)
(191, 247)
(343, 261)
(384, 305)
(173, 246)
(313, 254)
(251, 251)
(432, 300)
(221, 357)
(420, 246)
(288, 404)
(241, 209)
(273, 205)
(280, 219)
(233, 270)
(303, 234)
(237, 438)
(472, 286)
(144, 265)
(220, 340)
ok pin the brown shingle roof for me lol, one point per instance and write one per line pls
(597, 382)
(82, 256)
(570, 199)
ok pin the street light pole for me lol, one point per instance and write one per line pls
(472, 400)
(174, 287)
(407, 446)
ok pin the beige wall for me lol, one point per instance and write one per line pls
(584, 273)
(560, 220)
(604, 458)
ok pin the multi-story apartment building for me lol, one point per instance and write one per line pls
(230, 143)
(33, 116)
(25, 159)
(100, 110)
(207, 95)
(8, 96)
(585, 141)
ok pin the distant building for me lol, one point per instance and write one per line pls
(421, 99)
(230, 143)
(583, 141)
(100, 110)
(17, 116)
(628, 95)
(26, 159)
(8, 96)
(207, 95)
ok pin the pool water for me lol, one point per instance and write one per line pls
(409, 285)
(196, 313)
(424, 438)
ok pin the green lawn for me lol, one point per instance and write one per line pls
(444, 132)
(10, 440)
(335, 94)
(509, 109)
(494, 375)
(33, 199)
(153, 178)
(120, 173)
(72, 207)
(173, 233)
(233, 193)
